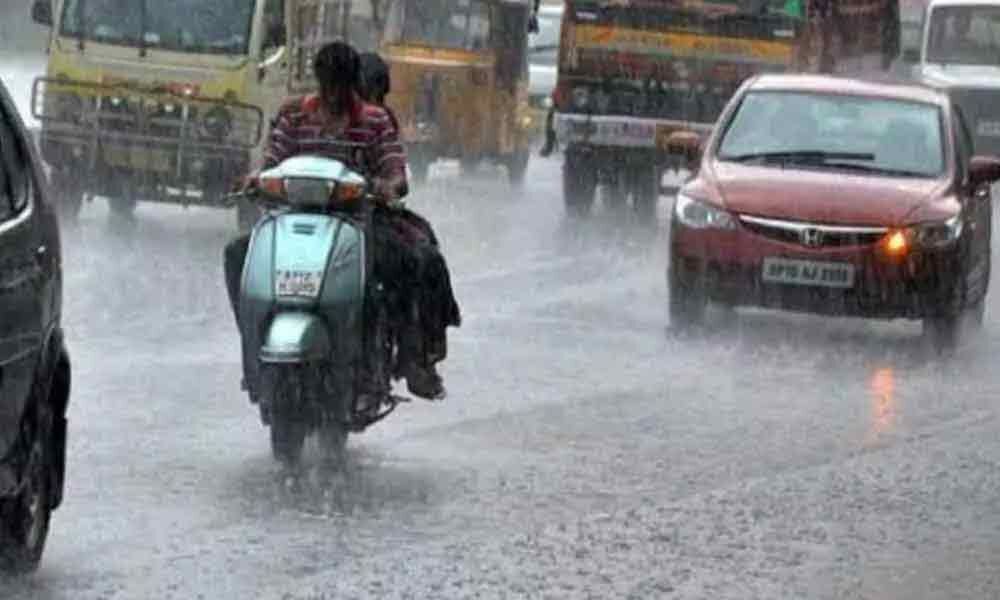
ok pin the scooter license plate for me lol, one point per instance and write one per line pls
(303, 284)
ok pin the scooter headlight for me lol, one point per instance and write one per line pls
(313, 193)
(346, 193)
(273, 187)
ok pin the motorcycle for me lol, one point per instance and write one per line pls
(318, 346)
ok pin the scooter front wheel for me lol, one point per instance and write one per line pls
(288, 424)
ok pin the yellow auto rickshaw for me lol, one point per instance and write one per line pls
(460, 81)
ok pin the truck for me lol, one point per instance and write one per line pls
(169, 102)
(633, 72)
(959, 52)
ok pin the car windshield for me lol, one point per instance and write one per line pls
(968, 35)
(200, 26)
(836, 131)
(457, 24)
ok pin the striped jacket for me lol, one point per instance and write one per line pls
(370, 143)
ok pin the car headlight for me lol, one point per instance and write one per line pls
(938, 235)
(700, 215)
(926, 236)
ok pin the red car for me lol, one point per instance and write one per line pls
(834, 196)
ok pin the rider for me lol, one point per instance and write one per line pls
(437, 308)
(336, 123)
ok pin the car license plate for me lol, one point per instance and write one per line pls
(988, 128)
(304, 284)
(808, 272)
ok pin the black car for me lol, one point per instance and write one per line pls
(34, 363)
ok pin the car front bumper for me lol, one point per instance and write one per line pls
(728, 267)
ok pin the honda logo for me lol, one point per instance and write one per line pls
(811, 237)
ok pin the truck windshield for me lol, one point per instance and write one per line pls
(455, 24)
(197, 26)
(968, 35)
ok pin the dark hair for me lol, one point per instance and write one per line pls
(375, 83)
(337, 63)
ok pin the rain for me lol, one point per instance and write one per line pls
(588, 447)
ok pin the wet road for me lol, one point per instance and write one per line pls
(583, 452)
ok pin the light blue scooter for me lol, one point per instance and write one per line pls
(311, 317)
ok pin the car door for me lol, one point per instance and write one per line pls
(23, 289)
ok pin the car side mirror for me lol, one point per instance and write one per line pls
(984, 170)
(41, 12)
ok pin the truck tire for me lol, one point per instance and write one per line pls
(645, 184)
(579, 185)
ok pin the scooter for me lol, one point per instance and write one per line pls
(318, 347)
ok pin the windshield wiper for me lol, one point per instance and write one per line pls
(800, 156)
(875, 169)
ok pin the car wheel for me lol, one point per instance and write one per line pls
(24, 519)
(945, 331)
(579, 185)
(687, 303)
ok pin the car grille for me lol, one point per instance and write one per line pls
(813, 235)
(981, 108)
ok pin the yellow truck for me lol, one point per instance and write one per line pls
(169, 101)
(158, 101)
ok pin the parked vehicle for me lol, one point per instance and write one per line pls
(959, 54)
(460, 81)
(631, 73)
(835, 196)
(312, 318)
(34, 362)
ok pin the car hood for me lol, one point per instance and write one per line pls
(822, 196)
(980, 76)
